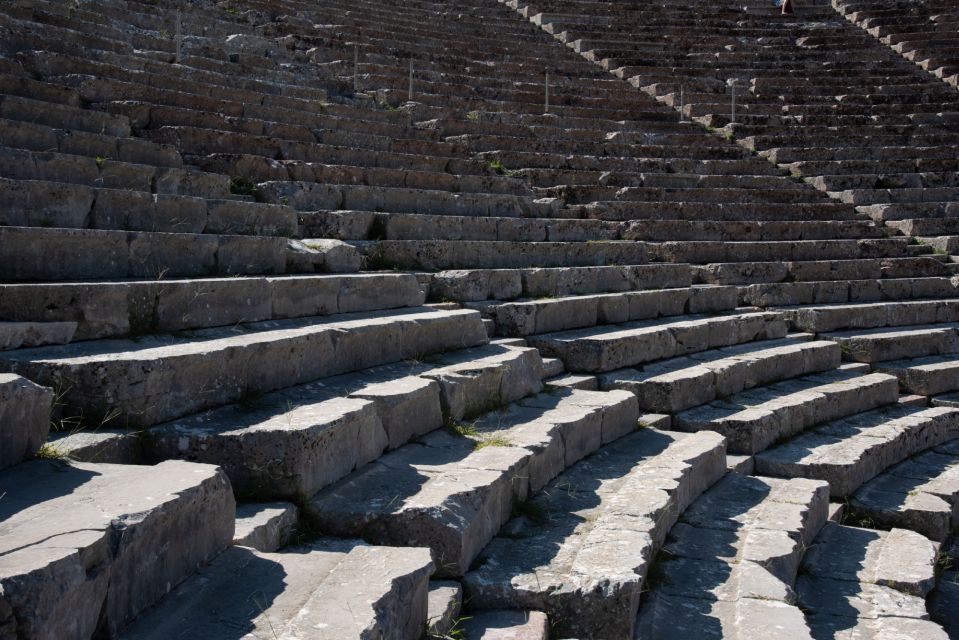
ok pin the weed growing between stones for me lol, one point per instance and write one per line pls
(50, 451)
(462, 430)
(491, 441)
(456, 632)
(852, 518)
(944, 562)
(497, 166)
(240, 186)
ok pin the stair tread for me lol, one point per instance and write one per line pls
(572, 537)
(502, 457)
(350, 588)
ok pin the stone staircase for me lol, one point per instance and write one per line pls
(922, 32)
(298, 343)
(798, 81)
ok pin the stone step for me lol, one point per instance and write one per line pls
(88, 547)
(789, 193)
(343, 588)
(125, 308)
(730, 212)
(943, 599)
(265, 526)
(876, 345)
(944, 400)
(580, 550)
(944, 244)
(453, 489)
(572, 381)
(36, 254)
(138, 383)
(507, 625)
(749, 230)
(835, 317)
(367, 225)
(111, 446)
(24, 418)
(926, 227)
(313, 196)
(842, 291)
(868, 584)
(37, 137)
(292, 443)
(813, 153)
(41, 203)
(681, 383)
(444, 606)
(697, 252)
(885, 181)
(881, 196)
(106, 172)
(304, 145)
(848, 452)
(63, 116)
(608, 348)
(745, 273)
(919, 494)
(469, 285)
(754, 420)
(890, 212)
(728, 566)
(553, 367)
(527, 317)
(927, 376)
(438, 255)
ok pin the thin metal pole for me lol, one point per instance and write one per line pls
(733, 114)
(546, 106)
(356, 68)
(682, 103)
(179, 37)
(410, 97)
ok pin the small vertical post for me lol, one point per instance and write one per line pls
(179, 37)
(410, 97)
(732, 117)
(546, 105)
(356, 68)
(682, 103)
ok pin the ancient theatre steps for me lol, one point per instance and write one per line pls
(675, 384)
(24, 418)
(527, 317)
(327, 590)
(88, 547)
(864, 583)
(871, 315)
(117, 309)
(928, 376)
(293, 442)
(154, 378)
(850, 451)
(581, 549)
(453, 489)
(614, 347)
(919, 494)
(728, 566)
(755, 419)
